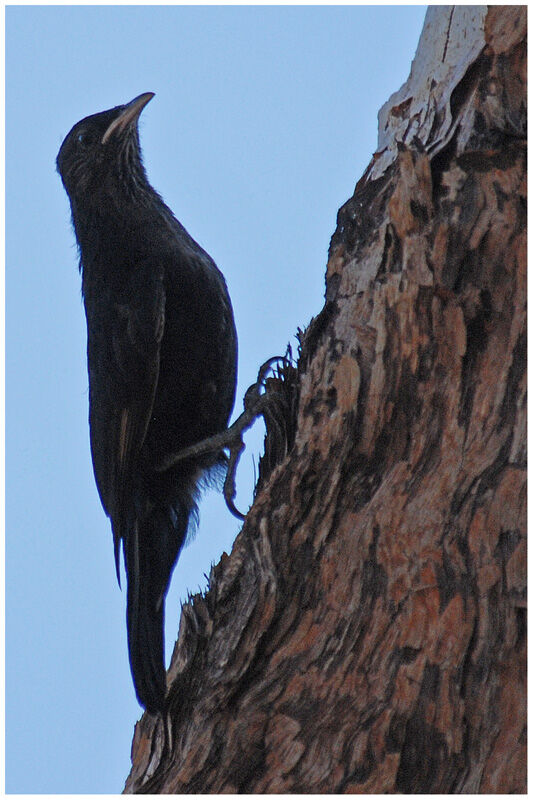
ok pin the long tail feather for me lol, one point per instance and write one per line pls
(152, 547)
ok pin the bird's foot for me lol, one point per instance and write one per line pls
(255, 402)
(256, 399)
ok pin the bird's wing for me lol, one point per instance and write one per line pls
(123, 351)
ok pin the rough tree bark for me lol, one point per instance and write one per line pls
(367, 632)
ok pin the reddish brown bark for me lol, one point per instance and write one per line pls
(367, 632)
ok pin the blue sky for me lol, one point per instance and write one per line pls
(264, 119)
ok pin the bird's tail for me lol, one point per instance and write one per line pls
(151, 548)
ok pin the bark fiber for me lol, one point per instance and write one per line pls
(367, 633)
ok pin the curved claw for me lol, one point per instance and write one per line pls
(229, 483)
(233, 509)
(264, 368)
(253, 393)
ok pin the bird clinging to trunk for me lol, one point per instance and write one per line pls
(162, 352)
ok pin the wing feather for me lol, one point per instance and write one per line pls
(124, 354)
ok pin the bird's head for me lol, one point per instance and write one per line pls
(102, 153)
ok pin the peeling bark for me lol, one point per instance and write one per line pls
(368, 631)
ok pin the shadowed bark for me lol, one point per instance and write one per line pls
(368, 631)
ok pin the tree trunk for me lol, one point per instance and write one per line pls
(367, 633)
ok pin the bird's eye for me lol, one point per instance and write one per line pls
(84, 138)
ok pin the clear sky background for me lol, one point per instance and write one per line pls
(264, 119)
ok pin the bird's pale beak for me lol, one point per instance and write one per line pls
(129, 113)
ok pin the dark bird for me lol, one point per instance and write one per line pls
(162, 353)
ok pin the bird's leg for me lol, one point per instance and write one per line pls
(255, 402)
